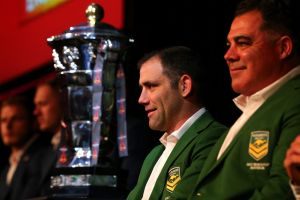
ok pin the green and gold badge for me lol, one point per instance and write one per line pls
(259, 144)
(173, 178)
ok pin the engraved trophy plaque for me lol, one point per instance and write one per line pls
(88, 59)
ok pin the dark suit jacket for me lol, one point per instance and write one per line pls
(252, 165)
(30, 175)
(184, 163)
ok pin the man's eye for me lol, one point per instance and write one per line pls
(243, 43)
(149, 86)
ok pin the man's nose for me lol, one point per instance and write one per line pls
(143, 99)
(36, 111)
(8, 124)
(231, 55)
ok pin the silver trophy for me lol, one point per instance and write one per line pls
(88, 59)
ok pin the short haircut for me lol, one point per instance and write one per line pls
(21, 101)
(279, 16)
(53, 83)
(177, 61)
(55, 86)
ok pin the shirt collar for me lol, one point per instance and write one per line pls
(177, 134)
(242, 101)
(55, 141)
(15, 158)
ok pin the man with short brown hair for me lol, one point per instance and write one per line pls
(24, 177)
(48, 110)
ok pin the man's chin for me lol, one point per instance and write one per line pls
(7, 143)
(12, 144)
(154, 127)
(151, 127)
(45, 129)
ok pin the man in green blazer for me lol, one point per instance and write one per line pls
(263, 59)
(173, 90)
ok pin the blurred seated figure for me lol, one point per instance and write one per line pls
(24, 176)
(48, 110)
(4, 153)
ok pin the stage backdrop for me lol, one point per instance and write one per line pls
(26, 24)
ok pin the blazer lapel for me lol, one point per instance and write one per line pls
(146, 170)
(49, 164)
(18, 177)
(4, 189)
(200, 124)
(211, 161)
(150, 163)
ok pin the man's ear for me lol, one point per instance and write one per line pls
(285, 46)
(185, 85)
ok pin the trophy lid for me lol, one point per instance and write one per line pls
(94, 29)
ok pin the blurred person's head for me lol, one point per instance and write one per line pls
(17, 121)
(48, 109)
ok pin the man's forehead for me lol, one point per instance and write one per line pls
(248, 22)
(43, 92)
(13, 109)
(150, 75)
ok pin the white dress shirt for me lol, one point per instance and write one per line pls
(249, 104)
(169, 141)
(296, 191)
(15, 158)
(56, 138)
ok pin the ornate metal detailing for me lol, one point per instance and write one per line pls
(83, 180)
(70, 56)
(94, 14)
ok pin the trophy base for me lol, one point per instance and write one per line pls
(85, 183)
(86, 193)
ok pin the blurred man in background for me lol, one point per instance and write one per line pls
(24, 176)
(48, 110)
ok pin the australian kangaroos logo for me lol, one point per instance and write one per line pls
(259, 144)
(173, 179)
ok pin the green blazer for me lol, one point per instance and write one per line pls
(184, 163)
(252, 165)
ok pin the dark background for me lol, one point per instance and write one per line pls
(200, 25)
